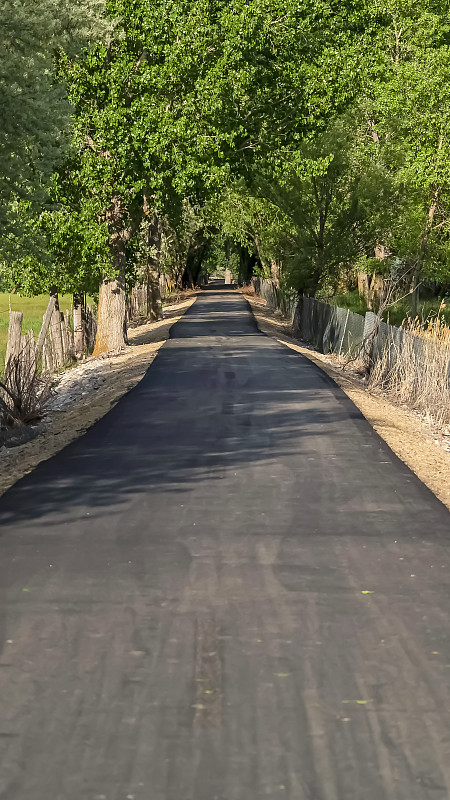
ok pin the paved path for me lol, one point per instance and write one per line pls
(185, 608)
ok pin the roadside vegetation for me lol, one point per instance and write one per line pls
(33, 309)
(427, 311)
(305, 143)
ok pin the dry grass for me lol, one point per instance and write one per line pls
(23, 392)
(416, 372)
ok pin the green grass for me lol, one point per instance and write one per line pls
(351, 300)
(396, 313)
(33, 309)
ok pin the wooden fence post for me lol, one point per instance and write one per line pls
(56, 335)
(47, 351)
(14, 346)
(28, 355)
(79, 317)
(69, 335)
(45, 325)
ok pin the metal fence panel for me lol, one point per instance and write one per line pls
(329, 328)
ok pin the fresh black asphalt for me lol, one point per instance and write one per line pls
(228, 589)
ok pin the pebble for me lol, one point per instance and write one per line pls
(77, 382)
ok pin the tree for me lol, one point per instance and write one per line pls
(404, 140)
(35, 120)
(185, 95)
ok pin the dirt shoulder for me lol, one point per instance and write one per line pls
(86, 392)
(418, 443)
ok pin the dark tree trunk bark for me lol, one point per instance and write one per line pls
(154, 301)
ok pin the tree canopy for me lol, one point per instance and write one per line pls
(304, 134)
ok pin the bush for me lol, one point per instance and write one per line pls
(417, 371)
(23, 392)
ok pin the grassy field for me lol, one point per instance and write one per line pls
(427, 309)
(32, 308)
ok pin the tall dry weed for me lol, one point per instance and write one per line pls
(414, 367)
(23, 392)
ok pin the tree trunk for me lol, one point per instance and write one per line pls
(363, 287)
(154, 301)
(111, 322)
(429, 227)
(414, 289)
(415, 282)
(261, 259)
(275, 272)
(111, 330)
(244, 265)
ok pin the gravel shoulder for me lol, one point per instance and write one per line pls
(419, 444)
(85, 393)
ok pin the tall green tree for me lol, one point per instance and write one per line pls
(404, 138)
(35, 120)
(186, 95)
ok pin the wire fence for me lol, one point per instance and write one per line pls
(329, 328)
(285, 300)
(412, 363)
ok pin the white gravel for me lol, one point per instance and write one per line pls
(78, 381)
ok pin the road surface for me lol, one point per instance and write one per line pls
(228, 589)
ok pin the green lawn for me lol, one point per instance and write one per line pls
(396, 313)
(33, 309)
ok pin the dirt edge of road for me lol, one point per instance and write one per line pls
(415, 441)
(96, 385)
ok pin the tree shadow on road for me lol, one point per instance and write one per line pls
(225, 420)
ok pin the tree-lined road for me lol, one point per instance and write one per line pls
(228, 589)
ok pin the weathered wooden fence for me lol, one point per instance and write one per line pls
(66, 336)
(139, 301)
(57, 343)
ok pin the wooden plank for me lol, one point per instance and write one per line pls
(44, 357)
(29, 354)
(14, 344)
(79, 320)
(64, 337)
(45, 326)
(69, 335)
(56, 338)
(91, 328)
(49, 355)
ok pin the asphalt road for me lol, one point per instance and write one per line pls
(228, 589)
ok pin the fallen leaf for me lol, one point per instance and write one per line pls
(358, 702)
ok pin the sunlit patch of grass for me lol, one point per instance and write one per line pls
(33, 309)
(432, 308)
